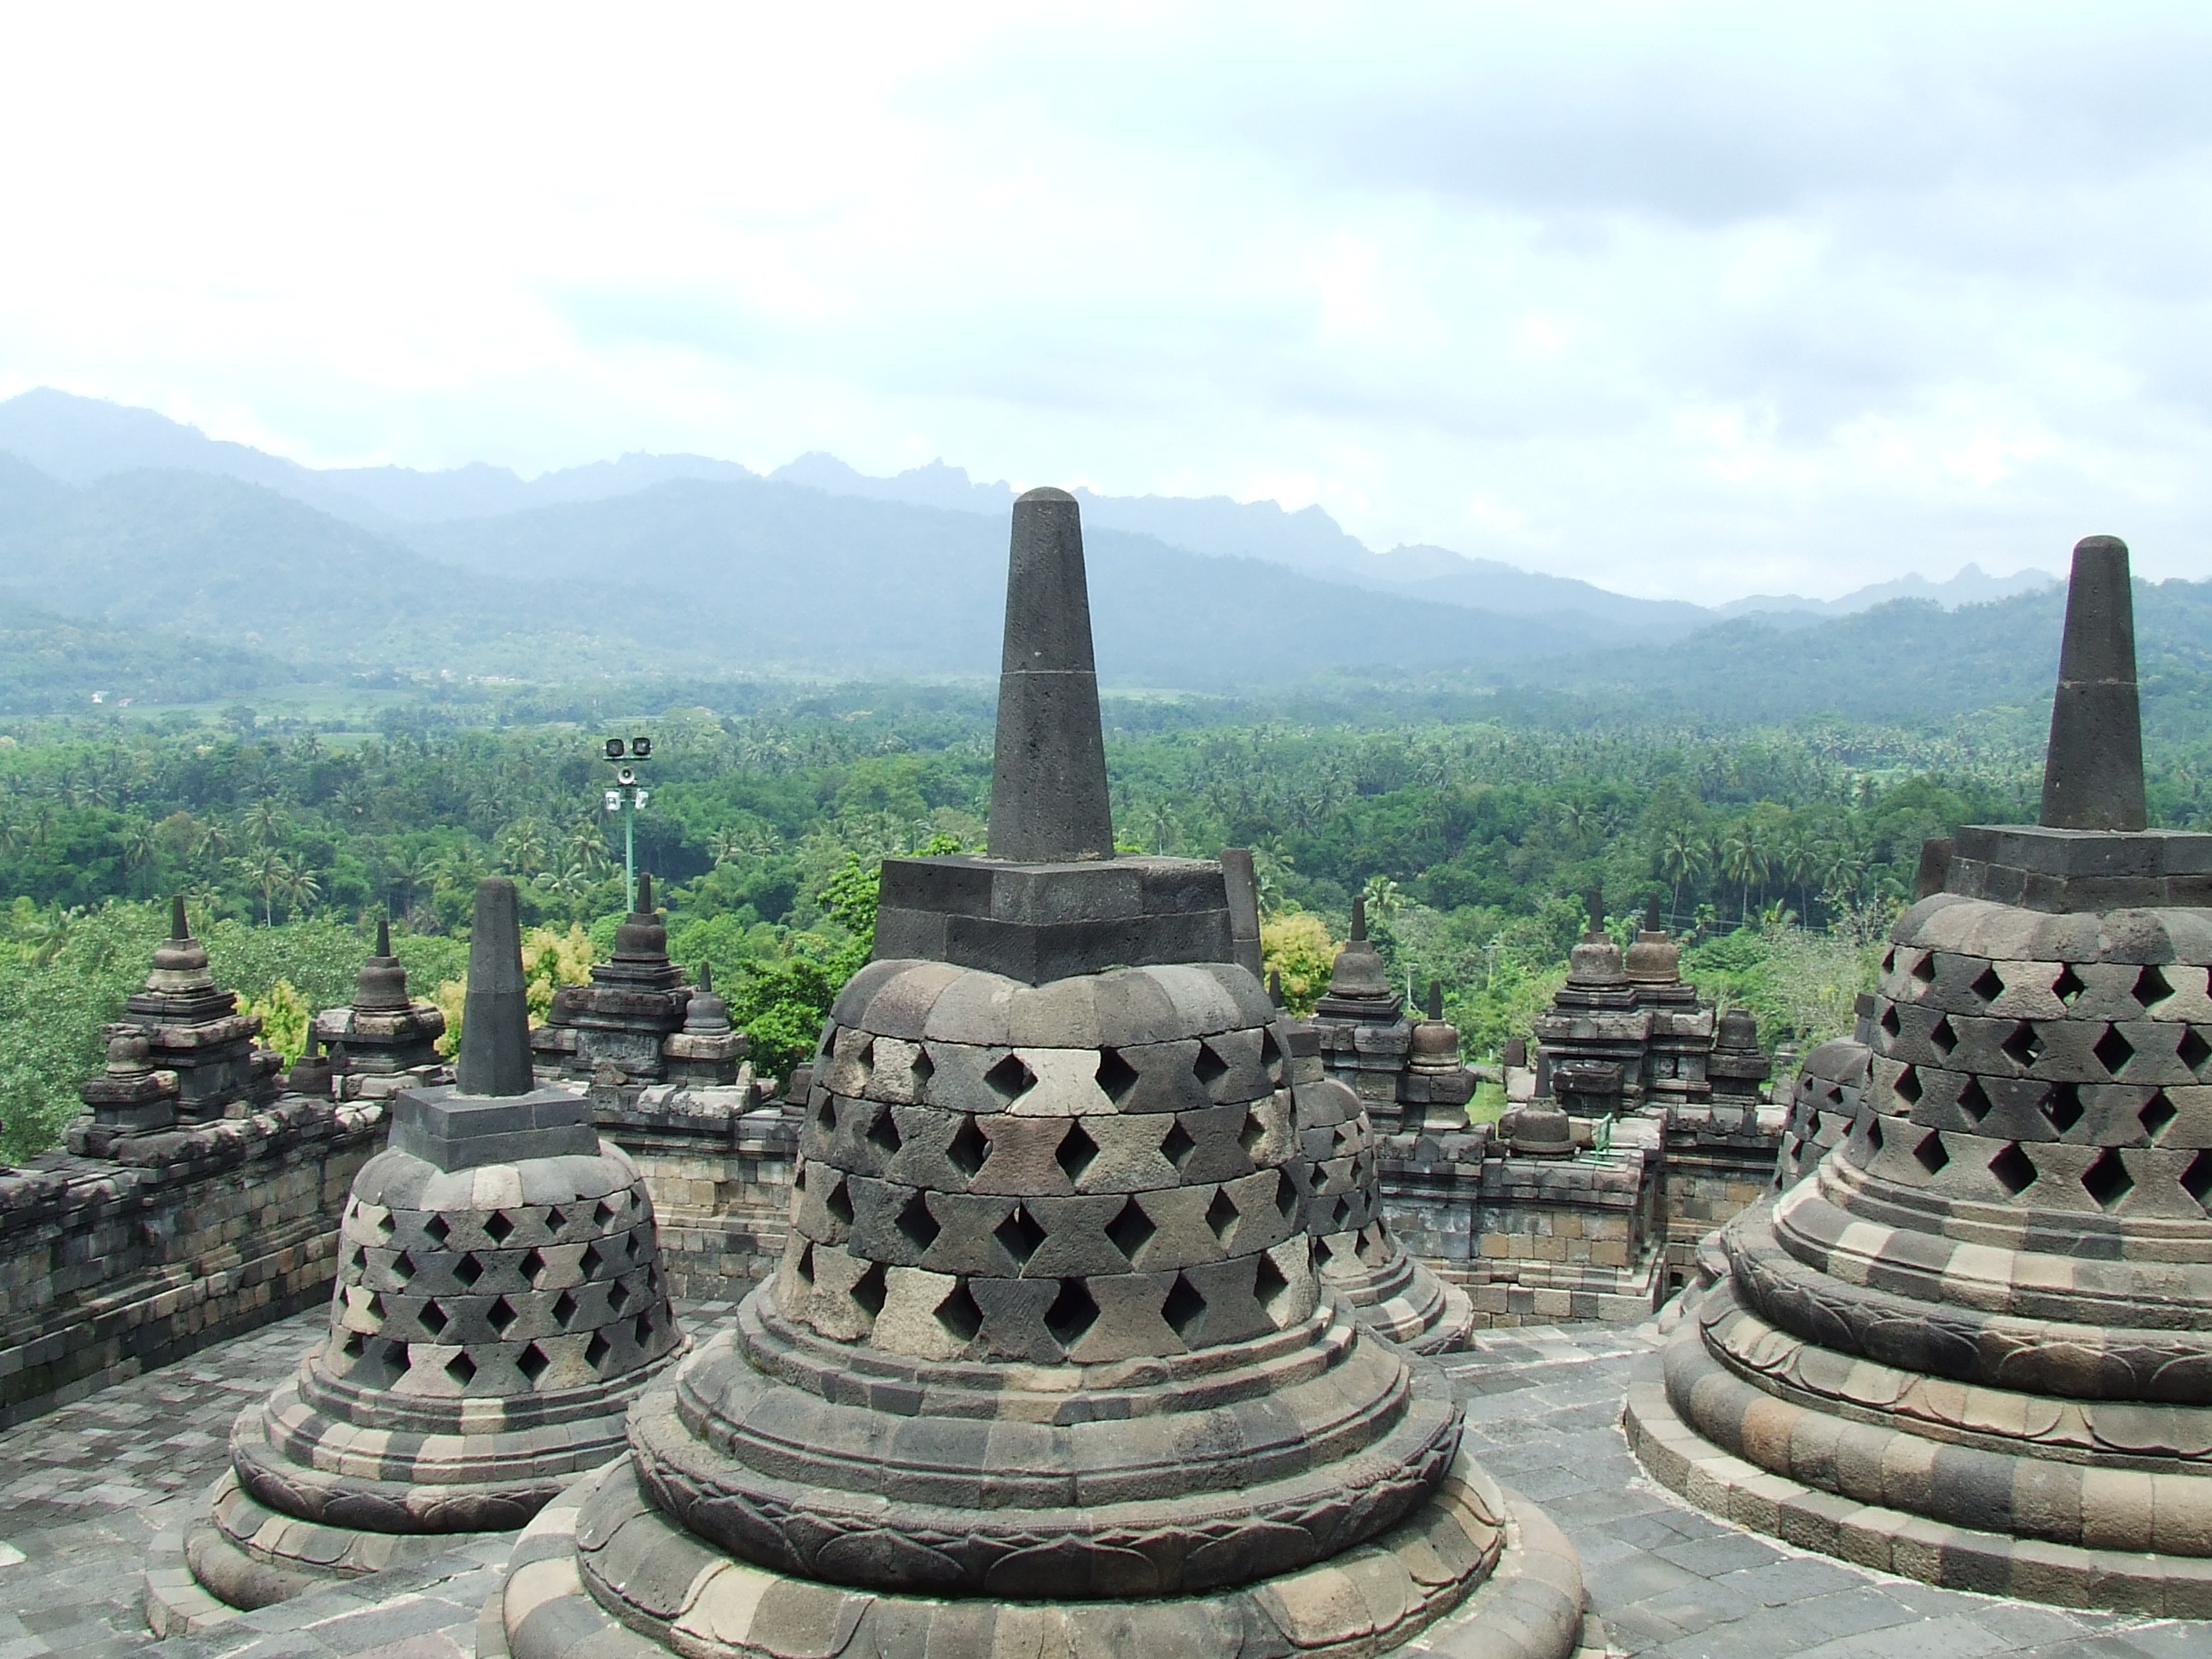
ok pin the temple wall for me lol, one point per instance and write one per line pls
(111, 1265)
(1710, 1179)
(1532, 1240)
(720, 1171)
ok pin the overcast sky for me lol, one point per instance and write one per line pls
(1688, 300)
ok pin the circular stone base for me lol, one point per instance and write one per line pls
(240, 1555)
(1890, 1541)
(1471, 1572)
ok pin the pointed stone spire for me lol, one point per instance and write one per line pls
(1048, 797)
(380, 987)
(1436, 1005)
(1244, 887)
(177, 927)
(1595, 900)
(494, 1058)
(1651, 916)
(2093, 771)
(1358, 918)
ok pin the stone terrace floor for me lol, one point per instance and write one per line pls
(84, 1490)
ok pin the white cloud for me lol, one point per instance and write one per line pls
(1692, 299)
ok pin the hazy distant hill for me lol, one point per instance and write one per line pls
(50, 663)
(1971, 585)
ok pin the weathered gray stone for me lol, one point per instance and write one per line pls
(2092, 775)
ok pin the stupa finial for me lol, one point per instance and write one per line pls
(178, 927)
(1048, 797)
(2093, 771)
(495, 1057)
(1358, 917)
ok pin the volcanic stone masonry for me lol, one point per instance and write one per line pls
(1971, 1345)
(499, 1303)
(385, 1041)
(1047, 1366)
(625, 1016)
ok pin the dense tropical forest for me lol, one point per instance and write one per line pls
(1473, 825)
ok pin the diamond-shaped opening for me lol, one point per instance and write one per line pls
(1316, 1176)
(2023, 1044)
(555, 1219)
(592, 1260)
(384, 1228)
(376, 1308)
(467, 1271)
(1010, 1080)
(1286, 1196)
(969, 1148)
(1221, 1215)
(1270, 1052)
(1019, 1235)
(915, 1223)
(603, 1211)
(839, 1203)
(1925, 969)
(1078, 1152)
(597, 1349)
(1973, 1099)
(2107, 1180)
(1339, 1213)
(1873, 1134)
(564, 1310)
(1071, 1314)
(2197, 1179)
(641, 1329)
(2063, 1106)
(1268, 1285)
(436, 1229)
(618, 1297)
(432, 1318)
(403, 1267)
(1889, 1022)
(868, 1290)
(1988, 984)
(1176, 1145)
(2192, 1050)
(825, 1115)
(1929, 1153)
(1941, 1037)
(1909, 1088)
(921, 1071)
(531, 1265)
(804, 1265)
(2014, 1171)
(498, 1227)
(461, 1368)
(2151, 989)
(502, 1314)
(354, 1345)
(1184, 1308)
(884, 1133)
(2113, 1051)
(532, 1362)
(1209, 1067)
(1254, 1133)
(2068, 985)
(2157, 1113)
(1888, 961)
(1116, 1076)
(1131, 1230)
(959, 1315)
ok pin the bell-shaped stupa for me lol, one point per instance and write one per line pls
(499, 1304)
(1971, 1344)
(1047, 1367)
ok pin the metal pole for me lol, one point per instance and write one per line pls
(629, 844)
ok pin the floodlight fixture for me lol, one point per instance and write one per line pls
(614, 800)
(639, 748)
(614, 749)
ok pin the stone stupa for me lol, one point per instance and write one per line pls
(1973, 1344)
(499, 1304)
(1047, 1368)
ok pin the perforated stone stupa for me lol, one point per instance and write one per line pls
(1047, 1368)
(499, 1303)
(1974, 1343)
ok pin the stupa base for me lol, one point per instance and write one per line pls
(1474, 1573)
(1680, 1458)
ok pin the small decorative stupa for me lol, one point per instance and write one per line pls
(1971, 1344)
(499, 1304)
(1591, 1042)
(1680, 1033)
(1433, 1093)
(1047, 1368)
(1366, 1041)
(192, 1028)
(389, 1039)
(621, 1020)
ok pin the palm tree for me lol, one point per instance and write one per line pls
(265, 821)
(1159, 818)
(1744, 859)
(267, 868)
(1681, 858)
(301, 890)
(523, 847)
(142, 845)
(1385, 899)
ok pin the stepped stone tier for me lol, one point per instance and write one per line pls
(1681, 1035)
(193, 1033)
(1360, 1258)
(1591, 1041)
(1047, 1367)
(1973, 1344)
(623, 1018)
(499, 1303)
(384, 1039)
(1366, 1041)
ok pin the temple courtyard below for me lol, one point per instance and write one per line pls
(91, 1493)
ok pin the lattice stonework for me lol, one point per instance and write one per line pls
(1025, 1202)
(2066, 1085)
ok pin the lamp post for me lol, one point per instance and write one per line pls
(627, 797)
